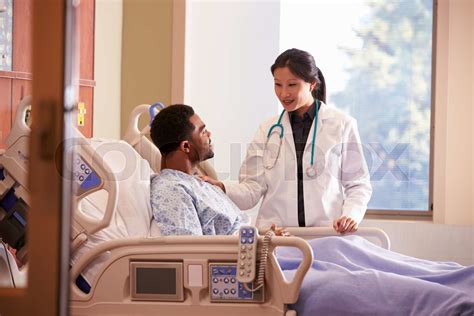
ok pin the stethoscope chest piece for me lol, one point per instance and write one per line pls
(311, 172)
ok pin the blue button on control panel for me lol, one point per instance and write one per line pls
(85, 177)
(247, 235)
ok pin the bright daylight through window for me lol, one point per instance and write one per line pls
(376, 56)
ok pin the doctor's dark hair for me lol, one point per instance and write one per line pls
(302, 65)
(171, 126)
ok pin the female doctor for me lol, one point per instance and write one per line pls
(308, 162)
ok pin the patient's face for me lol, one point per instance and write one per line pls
(200, 140)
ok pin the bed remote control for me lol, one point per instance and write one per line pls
(247, 256)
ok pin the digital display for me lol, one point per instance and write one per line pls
(155, 280)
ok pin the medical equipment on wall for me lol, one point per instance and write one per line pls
(311, 170)
(14, 194)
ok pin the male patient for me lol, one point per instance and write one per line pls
(182, 203)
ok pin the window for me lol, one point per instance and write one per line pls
(376, 57)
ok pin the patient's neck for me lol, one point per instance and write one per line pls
(177, 161)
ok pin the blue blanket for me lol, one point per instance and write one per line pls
(351, 276)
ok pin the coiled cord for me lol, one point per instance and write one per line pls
(263, 262)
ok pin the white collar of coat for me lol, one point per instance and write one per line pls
(326, 111)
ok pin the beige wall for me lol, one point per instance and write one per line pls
(227, 65)
(107, 68)
(454, 136)
(146, 54)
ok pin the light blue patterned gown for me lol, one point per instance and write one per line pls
(185, 205)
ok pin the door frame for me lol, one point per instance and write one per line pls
(47, 289)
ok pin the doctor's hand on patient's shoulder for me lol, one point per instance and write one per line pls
(212, 181)
(345, 224)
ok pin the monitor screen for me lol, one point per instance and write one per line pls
(154, 280)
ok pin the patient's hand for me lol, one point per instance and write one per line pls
(212, 181)
(345, 224)
(279, 231)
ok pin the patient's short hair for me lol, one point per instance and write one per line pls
(171, 126)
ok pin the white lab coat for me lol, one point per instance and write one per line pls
(341, 186)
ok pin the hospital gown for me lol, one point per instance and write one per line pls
(185, 205)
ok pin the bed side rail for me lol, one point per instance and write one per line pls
(194, 246)
(291, 290)
(318, 232)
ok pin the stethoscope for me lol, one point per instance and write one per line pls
(311, 170)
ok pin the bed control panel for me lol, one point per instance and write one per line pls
(85, 177)
(224, 287)
(247, 256)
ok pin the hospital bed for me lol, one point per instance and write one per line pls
(129, 267)
(197, 266)
(172, 275)
(137, 272)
